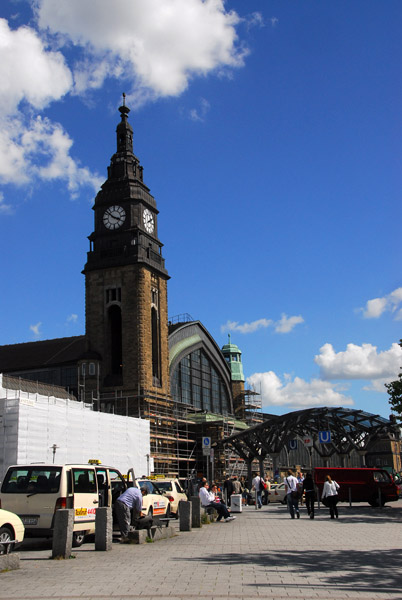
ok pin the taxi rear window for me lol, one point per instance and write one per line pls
(32, 480)
(164, 486)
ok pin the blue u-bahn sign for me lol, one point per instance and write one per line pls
(292, 444)
(324, 437)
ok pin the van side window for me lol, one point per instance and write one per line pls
(84, 481)
(381, 477)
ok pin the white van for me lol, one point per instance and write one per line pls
(34, 492)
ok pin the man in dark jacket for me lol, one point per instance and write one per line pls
(228, 489)
(309, 491)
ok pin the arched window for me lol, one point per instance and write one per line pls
(155, 346)
(196, 382)
(115, 340)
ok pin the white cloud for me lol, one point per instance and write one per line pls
(390, 303)
(246, 327)
(158, 46)
(40, 149)
(359, 362)
(73, 318)
(286, 324)
(5, 209)
(378, 385)
(256, 19)
(199, 114)
(28, 71)
(296, 393)
(33, 148)
(36, 329)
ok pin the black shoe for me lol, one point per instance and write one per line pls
(311, 516)
(298, 515)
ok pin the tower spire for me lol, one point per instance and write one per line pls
(124, 130)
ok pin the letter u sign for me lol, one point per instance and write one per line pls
(324, 437)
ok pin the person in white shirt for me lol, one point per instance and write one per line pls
(330, 492)
(258, 487)
(208, 500)
(292, 494)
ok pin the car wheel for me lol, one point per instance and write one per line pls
(78, 538)
(284, 501)
(6, 535)
(167, 515)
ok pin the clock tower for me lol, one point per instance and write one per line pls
(126, 281)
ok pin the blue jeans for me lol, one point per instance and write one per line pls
(293, 505)
(259, 501)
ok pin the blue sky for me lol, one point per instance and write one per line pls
(270, 135)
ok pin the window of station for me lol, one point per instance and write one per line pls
(195, 381)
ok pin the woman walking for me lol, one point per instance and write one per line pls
(330, 492)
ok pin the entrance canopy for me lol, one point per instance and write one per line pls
(328, 430)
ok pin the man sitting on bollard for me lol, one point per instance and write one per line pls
(130, 500)
(208, 501)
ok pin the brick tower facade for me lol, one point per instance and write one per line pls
(126, 283)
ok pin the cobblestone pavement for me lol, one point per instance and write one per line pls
(262, 554)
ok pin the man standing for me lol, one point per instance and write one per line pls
(292, 494)
(130, 500)
(237, 487)
(228, 489)
(308, 489)
(258, 487)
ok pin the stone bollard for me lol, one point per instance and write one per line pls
(185, 515)
(103, 528)
(63, 533)
(195, 511)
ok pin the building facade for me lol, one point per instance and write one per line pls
(132, 359)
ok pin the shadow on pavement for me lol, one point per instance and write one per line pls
(347, 514)
(371, 571)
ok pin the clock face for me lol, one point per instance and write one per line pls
(114, 217)
(148, 219)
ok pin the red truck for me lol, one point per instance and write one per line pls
(375, 486)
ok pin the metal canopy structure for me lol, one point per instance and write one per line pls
(349, 430)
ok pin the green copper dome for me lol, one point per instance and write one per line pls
(232, 354)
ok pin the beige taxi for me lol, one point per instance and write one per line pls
(11, 531)
(172, 490)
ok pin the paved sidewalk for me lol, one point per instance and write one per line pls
(262, 554)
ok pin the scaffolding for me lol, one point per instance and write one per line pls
(172, 431)
(248, 407)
